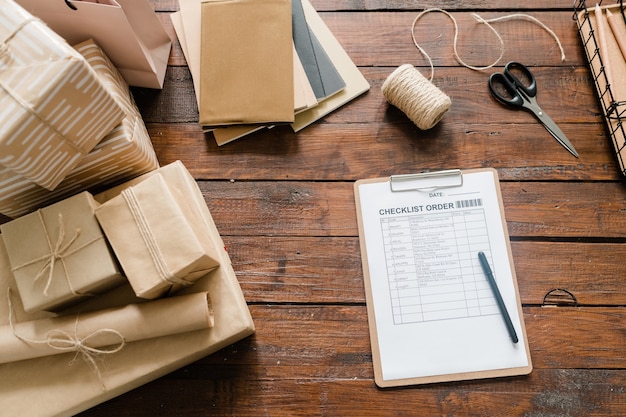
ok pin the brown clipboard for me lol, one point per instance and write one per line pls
(435, 182)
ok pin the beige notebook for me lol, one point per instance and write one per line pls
(246, 63)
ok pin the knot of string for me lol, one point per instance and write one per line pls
(63, 341)
(58, 251)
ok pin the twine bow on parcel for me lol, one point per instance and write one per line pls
(65, 342)
(58, 252)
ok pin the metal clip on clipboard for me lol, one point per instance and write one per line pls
(426, 181)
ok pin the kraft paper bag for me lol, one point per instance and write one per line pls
(59, 255)
(157, 237)
(246, 62)
(128, 31)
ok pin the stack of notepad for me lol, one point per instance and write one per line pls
(258, 64)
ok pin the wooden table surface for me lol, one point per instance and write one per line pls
(284, 205)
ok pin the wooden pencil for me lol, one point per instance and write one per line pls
(619, 31)
(603, 46)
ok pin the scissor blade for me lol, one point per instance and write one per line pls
(554, 130)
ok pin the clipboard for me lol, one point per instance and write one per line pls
(431, 312)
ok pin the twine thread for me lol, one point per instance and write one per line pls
(57, 253)
(422, 102)
(149, 239)
(67, 342)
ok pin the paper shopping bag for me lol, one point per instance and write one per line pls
(128, 31)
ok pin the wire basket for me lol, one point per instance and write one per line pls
(614, 111)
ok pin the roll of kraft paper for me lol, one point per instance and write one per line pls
(108, 329)
(422, 102)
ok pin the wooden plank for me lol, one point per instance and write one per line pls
(384, 38)
(242, 391)
(351, 151)
(372, 5)
(544, 210)
(332, 341)
(566, 94)
(308, 358)
(327, 270)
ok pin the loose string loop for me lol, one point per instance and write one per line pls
(529, 18)
(486, 22)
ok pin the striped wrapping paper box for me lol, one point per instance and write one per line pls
(53, 107)
(126, 152)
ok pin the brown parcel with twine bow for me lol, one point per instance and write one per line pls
(59, 255)
(104, 331)
(54, 107)
(158, 237)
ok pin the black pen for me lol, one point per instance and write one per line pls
(498, 296)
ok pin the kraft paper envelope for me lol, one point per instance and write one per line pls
(304, 99)
(187, 25)
(246, 62)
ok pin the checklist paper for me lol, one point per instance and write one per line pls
(433, 316)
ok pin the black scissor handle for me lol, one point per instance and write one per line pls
(522, 77)
(513, 98)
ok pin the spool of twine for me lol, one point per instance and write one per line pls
(422, 102)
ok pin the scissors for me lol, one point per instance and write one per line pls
(516, 87)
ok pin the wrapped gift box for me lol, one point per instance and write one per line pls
(54, 107)
(157, 237)
(59, 255)
(64, 390)
(124, 153)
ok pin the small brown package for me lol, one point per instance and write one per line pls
(158, 238)
(59, 255)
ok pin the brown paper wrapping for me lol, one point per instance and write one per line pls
(246, 63)
(63, 390)
(55, 109)
(112, 327)
(157, 237)
(59, 254)
(124, 153)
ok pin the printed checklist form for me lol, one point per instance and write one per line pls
(433, 314)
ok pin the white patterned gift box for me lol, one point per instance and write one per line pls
(54, 108)
(124, 153)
